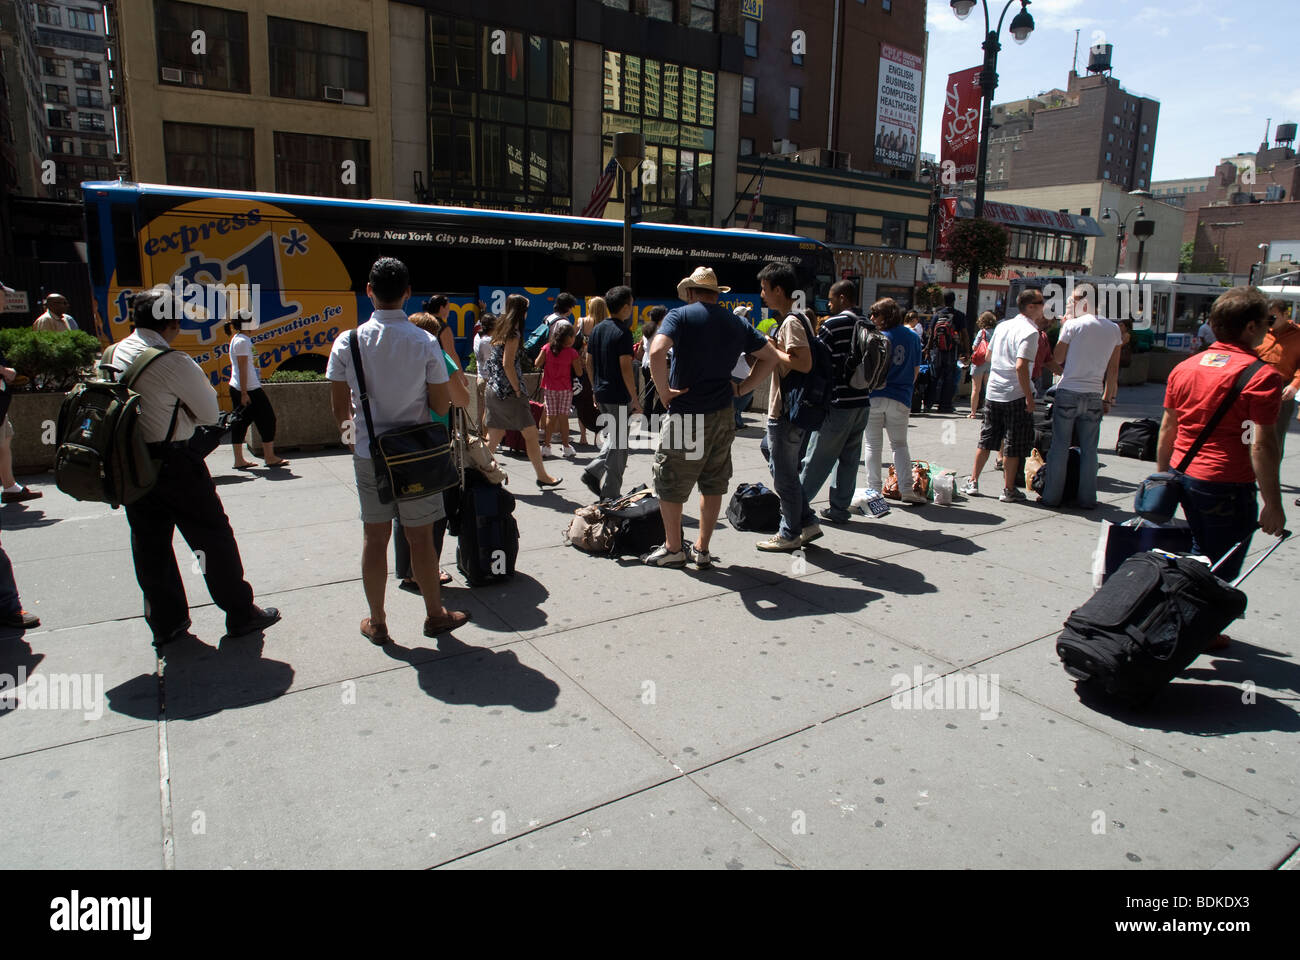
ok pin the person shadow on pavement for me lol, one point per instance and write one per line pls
(199, 680)
(458, 673)
(15, 654)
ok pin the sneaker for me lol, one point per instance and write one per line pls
(557, 451)
(660, 557)
(810, 533)
(701, 558)
(971, 487)
(830, 516)
(569, 451)
(1014, 495)
(778, 544)
(913, 498)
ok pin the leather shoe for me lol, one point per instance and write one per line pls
(376, 633)
(22, 620)
(262, 618)
(436, 625)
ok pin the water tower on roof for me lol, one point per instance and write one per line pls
(1099, 58)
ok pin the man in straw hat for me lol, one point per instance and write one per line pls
(695, 438)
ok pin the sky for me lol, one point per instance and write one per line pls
(1217, 70)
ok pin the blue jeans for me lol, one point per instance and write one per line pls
(1221, 515)
(784, 442)
(609, 465)
(740, 403)
(1071, 412)
(837, 445)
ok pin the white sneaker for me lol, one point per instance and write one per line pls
(569, 451)
(555, 451)
(912, 497)
(971, 487)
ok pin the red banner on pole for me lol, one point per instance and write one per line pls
(947, 216)
(961, 123)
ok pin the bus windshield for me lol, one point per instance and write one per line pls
(300, 264)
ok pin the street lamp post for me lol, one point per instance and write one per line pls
(1142, 229)
(629, 151)
(1108, 215)
(1022, 25)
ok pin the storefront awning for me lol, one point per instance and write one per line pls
(1032, 218)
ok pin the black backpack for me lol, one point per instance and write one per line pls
(102, 456)
(755, 508)
(808, 395)
(636, 523)
(869, 357)
(1071, 493)
(1153, 617)
(943, 337)
(1137, 439)
(487, 534)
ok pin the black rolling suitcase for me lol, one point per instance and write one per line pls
(486, 531)
(1137, 439)
(1156, 614)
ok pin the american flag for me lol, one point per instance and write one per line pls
(600, 192)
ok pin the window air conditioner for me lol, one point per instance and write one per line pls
(172, 75)
(334, 94)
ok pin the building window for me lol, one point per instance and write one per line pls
(660, 10)
(313, 165)
(886, 5)
(59, 119)
(64, 145)
(1146, 148)
(794, 103)
(778, 217)
(618, 4)
(50, 16)
(81, 20)
(703, 16)
(746, 146)
(90, 121)
(1110, 138)
(89, 98)
(307, 58)
(225, 64)
(1144, 128)
(1108, 156)
(751, 37)
(1085, 211)
(746, 95)
(86, 71)
(95, 148)
(57, 94)
(53, 68)
(218, 158)
(839, 226)
(1107, 174)
(893, 232)
(1142, 183)
(1117, 119)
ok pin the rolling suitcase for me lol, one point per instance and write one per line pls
(514, 440)
(486, 531)
(1156, 614)
(1137, 439)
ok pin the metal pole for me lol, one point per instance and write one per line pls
(988, 83)
(1141, 244)
(1119, 243)
(627, 228)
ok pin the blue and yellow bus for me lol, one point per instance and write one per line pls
(300, 263)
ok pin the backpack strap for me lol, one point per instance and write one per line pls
(1241, 382)
(132, 373)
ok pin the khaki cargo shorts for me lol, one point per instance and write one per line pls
(694, 448)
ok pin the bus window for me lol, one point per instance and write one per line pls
(126, 247)
(92, 234)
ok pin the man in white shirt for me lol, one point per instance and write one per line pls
(406, 377)
(1205, 334)
(1087, 356)
(175, 397)
(56, 316)
(1010, 396)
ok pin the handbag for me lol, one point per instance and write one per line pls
(980, 355)
(207, 437)
(1157, 496)
(410, 462)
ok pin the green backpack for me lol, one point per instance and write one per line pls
(102, 456)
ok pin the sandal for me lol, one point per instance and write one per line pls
(376, 633)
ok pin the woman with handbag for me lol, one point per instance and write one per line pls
(507, 405)
(247, 397)
(980, 362)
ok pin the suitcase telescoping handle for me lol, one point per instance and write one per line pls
(1264, 556)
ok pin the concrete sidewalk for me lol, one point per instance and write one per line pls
(597, 713)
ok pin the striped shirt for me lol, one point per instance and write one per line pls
(837, 333)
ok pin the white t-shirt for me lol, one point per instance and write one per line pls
(1013, 339)
(241, 345)
(399, 359)
(1206, 335)
(482, 351)
(1092, 341)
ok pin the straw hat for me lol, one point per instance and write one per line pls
(703, 279)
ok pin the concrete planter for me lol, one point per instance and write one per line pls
(303, 418)
(1160, 365)
(1137, 371)
(33, 416)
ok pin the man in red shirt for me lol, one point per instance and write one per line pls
(1281, 350)
(1218, 487)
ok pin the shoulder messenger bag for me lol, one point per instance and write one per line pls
(410, 462)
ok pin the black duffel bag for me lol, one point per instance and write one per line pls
(1137, 439)
(635, 521)
(755, 508)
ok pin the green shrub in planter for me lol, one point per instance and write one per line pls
(52, 360)
(295, 376)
